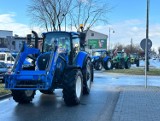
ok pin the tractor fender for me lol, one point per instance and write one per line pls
(96, 57)
(106, 58)
(81, 58)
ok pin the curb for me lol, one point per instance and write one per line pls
(5, 96)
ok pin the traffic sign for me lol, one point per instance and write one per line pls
(143, 44)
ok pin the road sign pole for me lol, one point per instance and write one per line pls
(146, 49)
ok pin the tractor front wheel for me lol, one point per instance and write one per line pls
(72, 87)
(23, 96)
(98, 65)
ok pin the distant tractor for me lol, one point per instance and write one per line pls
(121, 61)
(101, 59)
(60, 64)
(134, 59)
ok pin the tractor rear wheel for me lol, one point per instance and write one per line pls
(127, 64)
(87, 76)
(72, 87)
(122, 64)
(107, 65)
(137, 63)
(23, 96)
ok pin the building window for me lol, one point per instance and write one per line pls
(92, 34)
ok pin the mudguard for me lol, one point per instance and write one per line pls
(96, 57)
(80, 59)
(106, 58)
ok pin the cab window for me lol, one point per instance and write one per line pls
(2, 57)
(10, 58)
(76, 45)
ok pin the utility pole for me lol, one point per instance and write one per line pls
(110, 37)
(147, 33)
(131, 45)
(146, 44)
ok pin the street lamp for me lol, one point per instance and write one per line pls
(110, 29)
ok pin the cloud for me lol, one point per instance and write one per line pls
(7, 22)
(124, 31)
(135, 29)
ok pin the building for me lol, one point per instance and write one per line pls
(15, 42)
(95, 40)
(3, 38)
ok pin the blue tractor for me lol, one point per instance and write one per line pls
(60, 64)
(101, 59)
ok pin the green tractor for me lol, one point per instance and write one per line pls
(121, 61)
(134, 59)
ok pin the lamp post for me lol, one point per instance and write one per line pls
(110, 29)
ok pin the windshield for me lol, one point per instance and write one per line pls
(119, 53)
(133, 55)
(61, 39)
(97, 53)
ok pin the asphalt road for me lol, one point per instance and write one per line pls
(98, 106)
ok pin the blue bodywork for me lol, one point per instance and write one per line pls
(40, 79)
(106, 58)
(80, 59)
(99, 57)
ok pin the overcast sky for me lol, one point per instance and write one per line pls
(127, 19)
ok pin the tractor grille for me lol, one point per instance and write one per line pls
(30, 84)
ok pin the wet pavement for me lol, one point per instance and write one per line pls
(106, 102)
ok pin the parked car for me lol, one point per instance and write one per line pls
(3, 70)
(7, 58)
(27, 61)
(101, 59)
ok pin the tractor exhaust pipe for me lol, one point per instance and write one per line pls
(36, 38)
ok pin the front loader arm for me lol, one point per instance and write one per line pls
(23, 55)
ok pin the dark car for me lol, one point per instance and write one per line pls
(3, 70)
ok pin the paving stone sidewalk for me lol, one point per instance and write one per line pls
(138, 104)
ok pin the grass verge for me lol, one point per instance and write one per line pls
(136, 71)
(3, 91)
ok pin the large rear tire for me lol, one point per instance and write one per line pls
(122, 64)
(23, 96)
(87, 76)
(127, 64)
(92, 73)
(72, 87)
(137, 64)
(107, 65)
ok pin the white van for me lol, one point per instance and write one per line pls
(7, 58)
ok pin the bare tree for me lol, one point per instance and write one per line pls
(88, 13)
(159, 50)
(49, 13)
